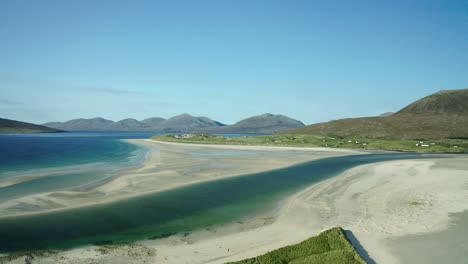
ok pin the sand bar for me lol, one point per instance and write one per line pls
(168, 165)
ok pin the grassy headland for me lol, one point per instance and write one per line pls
(329, 247)
(439, 145)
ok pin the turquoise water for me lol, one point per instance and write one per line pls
(38, 163)
(33, 151)
(179, 210)
(58, 161)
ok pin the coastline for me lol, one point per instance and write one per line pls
(163, 170)
(373, 202)
(377, 203)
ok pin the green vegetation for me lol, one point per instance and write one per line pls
(329, 247)
(440, 145)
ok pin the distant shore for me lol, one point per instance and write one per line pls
(444, 145)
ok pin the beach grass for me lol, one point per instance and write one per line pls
(416, 145)
(330, 247)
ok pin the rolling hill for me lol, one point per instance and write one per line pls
(441, 115)
(12, 126)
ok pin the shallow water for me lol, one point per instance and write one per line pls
(34, 151)
(179, 210)
(35, 163)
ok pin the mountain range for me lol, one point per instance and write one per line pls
(266, 123)
(440, 115)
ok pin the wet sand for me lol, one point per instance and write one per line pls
(376, 203)
(168, 165)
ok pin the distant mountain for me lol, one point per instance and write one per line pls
(93, 124)
(187, 123)
(12, 126)
(180, 123)
(266, 123)
(153, 121)
(128, 124)
(261, 124)
(441, 115)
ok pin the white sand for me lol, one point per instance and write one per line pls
(169, 165)
(377, 202)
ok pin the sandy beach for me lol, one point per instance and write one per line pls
(375, 203)
(168, 165)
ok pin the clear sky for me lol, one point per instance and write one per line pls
(226, 59)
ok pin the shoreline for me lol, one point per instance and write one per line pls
(263, 147)
(376, 203)
(353, 206)
(122, 186)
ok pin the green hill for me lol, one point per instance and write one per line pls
(440, 115)
(12, 126)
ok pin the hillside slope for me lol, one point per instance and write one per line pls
(442, 102)
(13, 126)
(440, 115)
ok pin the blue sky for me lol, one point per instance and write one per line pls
(310, 60)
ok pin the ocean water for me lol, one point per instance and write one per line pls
(46, 162)
(32, 151)
(179, 210)
(38, 163)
